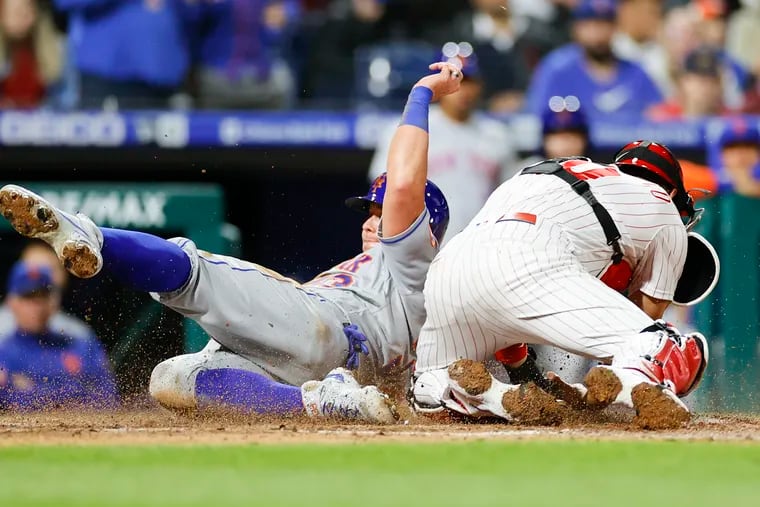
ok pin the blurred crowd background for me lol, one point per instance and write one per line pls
(675, 58)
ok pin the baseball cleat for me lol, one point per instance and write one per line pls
(339, 396)
(529, 404)
(524, 403)
(657, 407)
(572, 394)
(603, 387)
(75, 238)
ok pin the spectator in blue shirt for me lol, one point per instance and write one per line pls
(39, 253)
(132, 53)
(589, 70)
(242, 45)
(42, 368)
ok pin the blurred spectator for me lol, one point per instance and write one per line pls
(31, 54)
(38, 253)
(41, 368)
(507, 49)
(556, 13)
(590, 71)
(242, 64)
(690, 27)
(743, 35)
(637, 39)
(712, 14)
(469, 154)
(699, 89)
(564, 132)
(129, 54)
(329, 72)
(387, 70)
(739, 145)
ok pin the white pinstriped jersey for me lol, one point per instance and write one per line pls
(526, 269)
(650, 226)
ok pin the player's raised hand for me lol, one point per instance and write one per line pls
(445, 82)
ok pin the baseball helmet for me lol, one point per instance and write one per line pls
(435, 202)
(739, 131)
(564, 120)
(656, 163)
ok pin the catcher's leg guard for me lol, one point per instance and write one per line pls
(676, 361)
(652, 382)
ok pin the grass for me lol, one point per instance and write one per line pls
(566, 473)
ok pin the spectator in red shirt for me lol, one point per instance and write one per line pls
(699, 88)
(30, 53)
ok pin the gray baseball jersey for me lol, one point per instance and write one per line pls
(294, 331)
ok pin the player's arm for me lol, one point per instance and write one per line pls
(408, 155)
(653, 307)
(656, 277)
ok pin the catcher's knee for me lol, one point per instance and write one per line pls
(172, 382)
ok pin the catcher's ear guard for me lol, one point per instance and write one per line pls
(700, 273)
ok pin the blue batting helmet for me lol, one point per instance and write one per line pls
(564, 121)
(435, 202)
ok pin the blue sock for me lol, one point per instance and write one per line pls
(143, 261)
(246, 391)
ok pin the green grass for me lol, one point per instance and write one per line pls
(566, 473)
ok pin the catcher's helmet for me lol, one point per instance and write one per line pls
(656, 163)
(435, 202)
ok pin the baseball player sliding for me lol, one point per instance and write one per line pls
(546, 262)
(272, 337)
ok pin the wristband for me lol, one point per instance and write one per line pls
(417, 106)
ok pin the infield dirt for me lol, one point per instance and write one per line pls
(156, 426)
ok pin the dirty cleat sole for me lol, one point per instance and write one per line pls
(472, 376)
(30, 216)
(658, 408)
(34, 217)
(603, 387)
